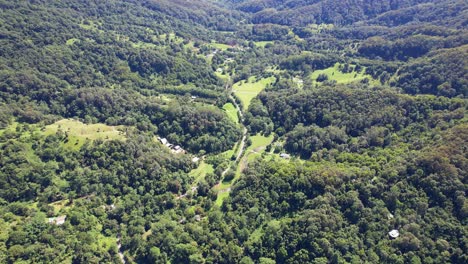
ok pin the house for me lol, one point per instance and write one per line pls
(195, 159)
(394, 234)
(285, 156)
(60, 220)
(163, 141)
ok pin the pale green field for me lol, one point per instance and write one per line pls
(334, 74)
(221, 197)
(258, 146)
(231, 111)
(200, 172)
(72, 41)
(259, 142)
(220, 46)
(262, 44)
(223, 77)
(246, 91)
(78, 132)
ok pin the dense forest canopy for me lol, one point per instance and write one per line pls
(233, 131)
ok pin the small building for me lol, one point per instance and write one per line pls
(163, 141)
(177, 147)
(60, 220)
(285, 156)
(394, 234)
(197, 218)
(195, 159)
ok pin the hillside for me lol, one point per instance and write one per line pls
(234, 131)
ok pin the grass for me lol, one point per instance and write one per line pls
(221, 197)
(220, 46)
(79, 132)
(259, 142)
(223, 77)
(72, 41)
(256, 149)
(334, 74)
(262, 44)
(202, 170)
(246, 91)
(231, 111)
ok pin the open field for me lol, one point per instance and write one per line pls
(246, 91)
(256, 149)
(78, 132)
(200, 172)
(220, 46)
(231, 111)
(263, 43)
(334, 74)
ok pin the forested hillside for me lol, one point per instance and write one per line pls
(233, 131)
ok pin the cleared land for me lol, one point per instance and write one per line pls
(78, 132)
(246, 91)
(262, 43)
(334, 74)
(200, 172)
(231, 111)
(256, 149)
(220, 46)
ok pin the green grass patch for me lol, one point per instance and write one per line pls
(262, 44)
(200, 172)
(72, 41)
(334, 74)
(219, 46)
(231, 111)
(79, 132)
(221, 197)
(223, 77)
(246, 91)
(259, 142)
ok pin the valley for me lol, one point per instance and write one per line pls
(233, 131)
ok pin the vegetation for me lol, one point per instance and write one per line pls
(121, 139)
(249, 89)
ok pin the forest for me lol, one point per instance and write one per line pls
(233, 131)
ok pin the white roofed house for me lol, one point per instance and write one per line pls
(60, 220)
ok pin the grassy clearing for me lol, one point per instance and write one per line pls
(334, 74)
(221, 197)
(223, 77)
(79, 132)
(72, 41)
(246, 91)
(200, 172)
(219, 46)
(259, 142)
(262, 44)
(231, 111)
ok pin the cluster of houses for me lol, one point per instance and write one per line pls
(174, 148)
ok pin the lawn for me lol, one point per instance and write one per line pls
(246, 91)
(231, 111)
(220, 46)
(200, 172)
(259, 142)
(262, 43)
(221, 197)
(334, 74)
(78, 132)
